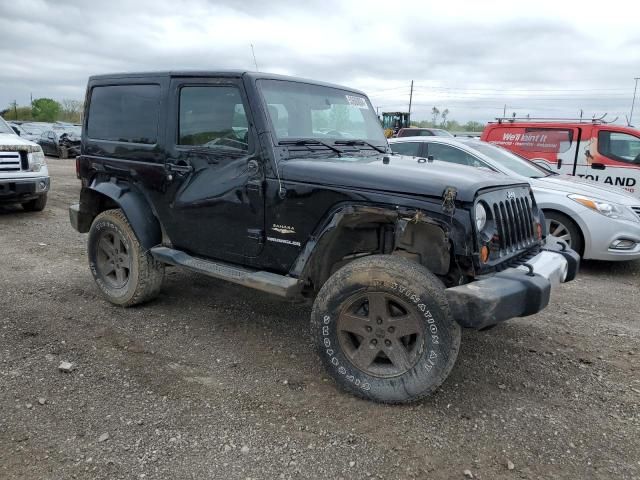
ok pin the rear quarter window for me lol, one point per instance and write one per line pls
(124, 113)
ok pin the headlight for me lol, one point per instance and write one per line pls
(608, 209)
(481, 217)
(36, 161)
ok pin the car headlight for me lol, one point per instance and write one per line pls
(608, 209)
(36, 160)
(481, 216)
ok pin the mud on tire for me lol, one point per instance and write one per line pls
(384, 331)
(125, 273)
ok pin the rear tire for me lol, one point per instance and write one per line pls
(566, 229)
(126, 274)
(384, 331)
(36, 205)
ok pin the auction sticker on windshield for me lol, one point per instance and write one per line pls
(359, 102)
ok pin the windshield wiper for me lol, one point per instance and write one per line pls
(360, 142)
(312, 141)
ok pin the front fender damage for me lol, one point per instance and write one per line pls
(359, 230)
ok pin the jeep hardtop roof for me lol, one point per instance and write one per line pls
(216, 73)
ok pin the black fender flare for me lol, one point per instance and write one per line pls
(398, 218)
(136, 208)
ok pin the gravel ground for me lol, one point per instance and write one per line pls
(215, 381)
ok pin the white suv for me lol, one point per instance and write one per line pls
(24, 177)
(598, 221)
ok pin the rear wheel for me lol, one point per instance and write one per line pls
(561, 226)
(384, 331)
(36, 205)
(125, 273)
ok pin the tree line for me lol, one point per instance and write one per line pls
(439, 119)
(45, 110)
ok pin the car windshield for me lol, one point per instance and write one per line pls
(441, 133)
(510, 162)
(30, 128)
(315, 112)
(71, 130)
(4, 127)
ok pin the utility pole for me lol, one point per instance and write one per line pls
(254, 57)
(15, 110)
(504, 111)
(410, 97)
(633, 102)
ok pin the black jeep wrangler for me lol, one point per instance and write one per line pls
(288, 186)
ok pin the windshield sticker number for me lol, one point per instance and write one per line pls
(357, 102)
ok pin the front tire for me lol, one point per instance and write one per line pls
(36, 205)
(384, 331)
(561, 226)
(126, 274)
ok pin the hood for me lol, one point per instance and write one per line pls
(12, 142)
(569, 184)
(403, 175)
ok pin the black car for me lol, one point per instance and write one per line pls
(60, 142)
(288, 186)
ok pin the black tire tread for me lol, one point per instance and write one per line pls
(150, 271)
(411, 273)
(36, 205)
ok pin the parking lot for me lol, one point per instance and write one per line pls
(215, 381)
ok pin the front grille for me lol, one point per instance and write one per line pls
(637, 210)
(514, 222)
(10, 162)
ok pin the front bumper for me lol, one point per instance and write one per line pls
(515, 292)
(15, 190)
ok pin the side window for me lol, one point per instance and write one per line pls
(213, 117)
(124, 113)
(447, 153)
(619, 146)
(406, 148)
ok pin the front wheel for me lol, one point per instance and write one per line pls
(561, 226)
(125, 273)
(384, 330)
(36, 205)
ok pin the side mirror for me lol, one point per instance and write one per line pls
(15, 129)
(559, 163)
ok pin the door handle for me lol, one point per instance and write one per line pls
(598, 166)
(180, 166)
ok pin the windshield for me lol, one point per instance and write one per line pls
(71, 130)
(510, 162)
(4, 127)
(31, 128)
(307, 111)
(441, 133)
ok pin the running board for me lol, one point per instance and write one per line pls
(273, 283)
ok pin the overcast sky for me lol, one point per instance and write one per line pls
(537, 57)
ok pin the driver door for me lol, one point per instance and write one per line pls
(213, 205)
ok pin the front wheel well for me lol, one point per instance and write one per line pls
(580, 245)
(362, 235)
